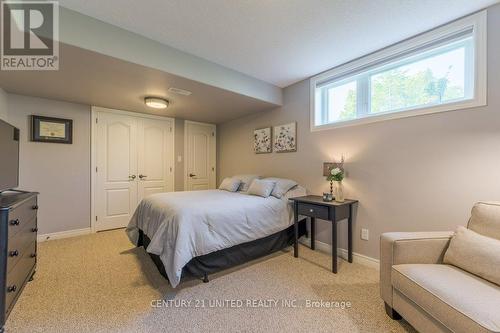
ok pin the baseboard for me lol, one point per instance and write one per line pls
(342, 253)
(64, 234)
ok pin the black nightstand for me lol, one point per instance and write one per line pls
(314, 207)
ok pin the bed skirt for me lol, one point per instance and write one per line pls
(232, 256)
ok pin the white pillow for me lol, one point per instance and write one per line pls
(246, 180)
(282, 186)
(475, 253)
(261, 187)
(230, 184)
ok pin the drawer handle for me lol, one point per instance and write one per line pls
(33, 255)
(14, 253)
(14, 222)
(11, 289)
(311, 210)
(34, 229)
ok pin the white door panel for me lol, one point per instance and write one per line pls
(116, 160)
(134, 159)
(200, 156)
(155, 157)
(200, 162)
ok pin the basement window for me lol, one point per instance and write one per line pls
(441, 70)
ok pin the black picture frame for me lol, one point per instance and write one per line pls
(36, 136)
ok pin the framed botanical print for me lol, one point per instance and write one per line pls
(48, 129)
(285, 138)
(262, 140)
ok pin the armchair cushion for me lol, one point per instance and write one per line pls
(485, 219)
(409, 248)
(461, 301)
(475, 253)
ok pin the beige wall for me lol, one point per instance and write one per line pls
(412, 174)
(3, 105)
(60, 172)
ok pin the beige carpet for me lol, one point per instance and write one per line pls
(101, 283)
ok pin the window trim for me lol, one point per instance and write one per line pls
(478, 23)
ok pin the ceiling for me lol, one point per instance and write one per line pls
(277, 41)
(91, 78)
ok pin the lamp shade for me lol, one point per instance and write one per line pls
(327, 167)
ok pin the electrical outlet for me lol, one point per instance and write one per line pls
(365, 234)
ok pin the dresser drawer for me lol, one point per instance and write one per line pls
(18, 277)
(19, 216)
(20, 244)
(311, 210)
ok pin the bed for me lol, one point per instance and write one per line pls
(200, 232)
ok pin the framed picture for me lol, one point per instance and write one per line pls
(48, 129)
(285, 138)
(262, 140)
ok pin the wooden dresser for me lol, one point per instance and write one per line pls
(18, 246)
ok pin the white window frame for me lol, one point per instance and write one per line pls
(478, 23)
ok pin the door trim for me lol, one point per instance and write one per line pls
(93, 158)
(186, 122)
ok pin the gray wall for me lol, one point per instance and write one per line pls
(60, 172)
(413, 174)
(3, 105)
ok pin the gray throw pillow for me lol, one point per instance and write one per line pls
(261, 187)
(475, 253)
(230, 184)
(246, 180)
(282, 186)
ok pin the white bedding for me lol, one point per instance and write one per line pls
(184, 225)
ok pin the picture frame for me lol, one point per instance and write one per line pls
(285, 138)
(50, 129)
(262, 140)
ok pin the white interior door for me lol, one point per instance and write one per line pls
(155, 157)
(116, 162)
(134, 158)
(200, 156)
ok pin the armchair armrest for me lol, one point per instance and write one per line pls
(409, 248)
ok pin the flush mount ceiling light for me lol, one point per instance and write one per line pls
(156, 103)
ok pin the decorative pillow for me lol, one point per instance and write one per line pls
(297, 191)
(246, 180)
(261, 187)
(475, 253)
(282, 186)
(230, 184)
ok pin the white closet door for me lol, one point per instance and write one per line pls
(116, 161)
(200, 156)
(155, 157)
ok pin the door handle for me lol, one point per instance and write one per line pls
(132, 177)
(142, 176)
(192, 175)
